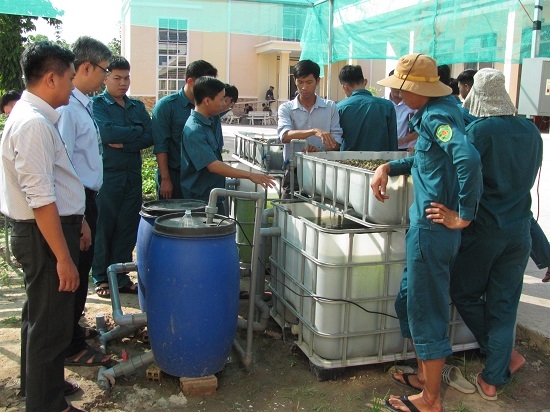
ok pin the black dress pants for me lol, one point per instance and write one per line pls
(47, 317)
(78, 342)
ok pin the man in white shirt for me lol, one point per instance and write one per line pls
(81, 136)
(43, 195)
(406, 138)
(307, 118)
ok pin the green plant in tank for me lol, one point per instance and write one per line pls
(374, 91)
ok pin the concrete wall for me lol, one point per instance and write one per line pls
(141, 51)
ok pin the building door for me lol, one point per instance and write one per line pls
(291, 84)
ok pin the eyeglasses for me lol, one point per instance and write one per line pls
(106, 71)
(409, 72)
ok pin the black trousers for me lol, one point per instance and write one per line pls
(47, 317)
(78, 341)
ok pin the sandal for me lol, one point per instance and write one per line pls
(405, 401)
(133, 289)
(452, 376)
(88, 357)
(546, 277)
(473, 379)
(70, 388)
(102, 290)
(405, 383)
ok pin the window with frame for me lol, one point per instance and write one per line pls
(480, 48)
(544, 43)
(294, 20)
(172, 56)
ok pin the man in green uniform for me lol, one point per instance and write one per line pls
(487, 276)
(169, 116)
(368, 122)
(445, 169)
(125, 128)
(201, 155)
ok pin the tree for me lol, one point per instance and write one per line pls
(114, 46)
(42, 37)
(12, 42)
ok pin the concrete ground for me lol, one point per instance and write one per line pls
(534, 309)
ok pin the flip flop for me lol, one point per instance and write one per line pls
(87, 357)
(405, 400)
(546, 277)
(407, 383)
(70, 388)
(473, 379)
(452, 376)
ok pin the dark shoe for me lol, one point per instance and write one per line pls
(70, 388)
(546, 277)
(133, 290)
(88, 357)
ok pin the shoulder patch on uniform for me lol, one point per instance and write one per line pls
(444, 133)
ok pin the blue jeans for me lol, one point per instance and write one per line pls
(540, 248)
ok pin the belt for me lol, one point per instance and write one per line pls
(65, 220)
(90, 194)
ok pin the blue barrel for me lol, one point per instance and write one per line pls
(193, 294)
(149, 212)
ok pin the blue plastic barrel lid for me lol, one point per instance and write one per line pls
(172, 225)
(165, 206)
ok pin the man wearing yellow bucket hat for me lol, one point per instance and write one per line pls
(445, 169)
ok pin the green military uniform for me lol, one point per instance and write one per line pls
(445, 169)
(169, 117)
(119, 200)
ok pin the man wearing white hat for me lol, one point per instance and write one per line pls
(487, 277)
(445, 169)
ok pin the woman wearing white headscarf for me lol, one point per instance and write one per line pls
(495, 246)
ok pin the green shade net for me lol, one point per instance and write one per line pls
(35, 8)
(448, 30)
(451, 31)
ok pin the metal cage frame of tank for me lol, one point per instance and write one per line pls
(296, 300)
(345, 189)
(266, 156)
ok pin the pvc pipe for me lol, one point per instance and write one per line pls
(136, 319)
(211, 208)
(210, 212)
(264, 317)
(537, 25)
(265, 231)
(106, 377)
(118, 332)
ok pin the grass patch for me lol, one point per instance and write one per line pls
(148, 173)
(12, 321)
(462, 408)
